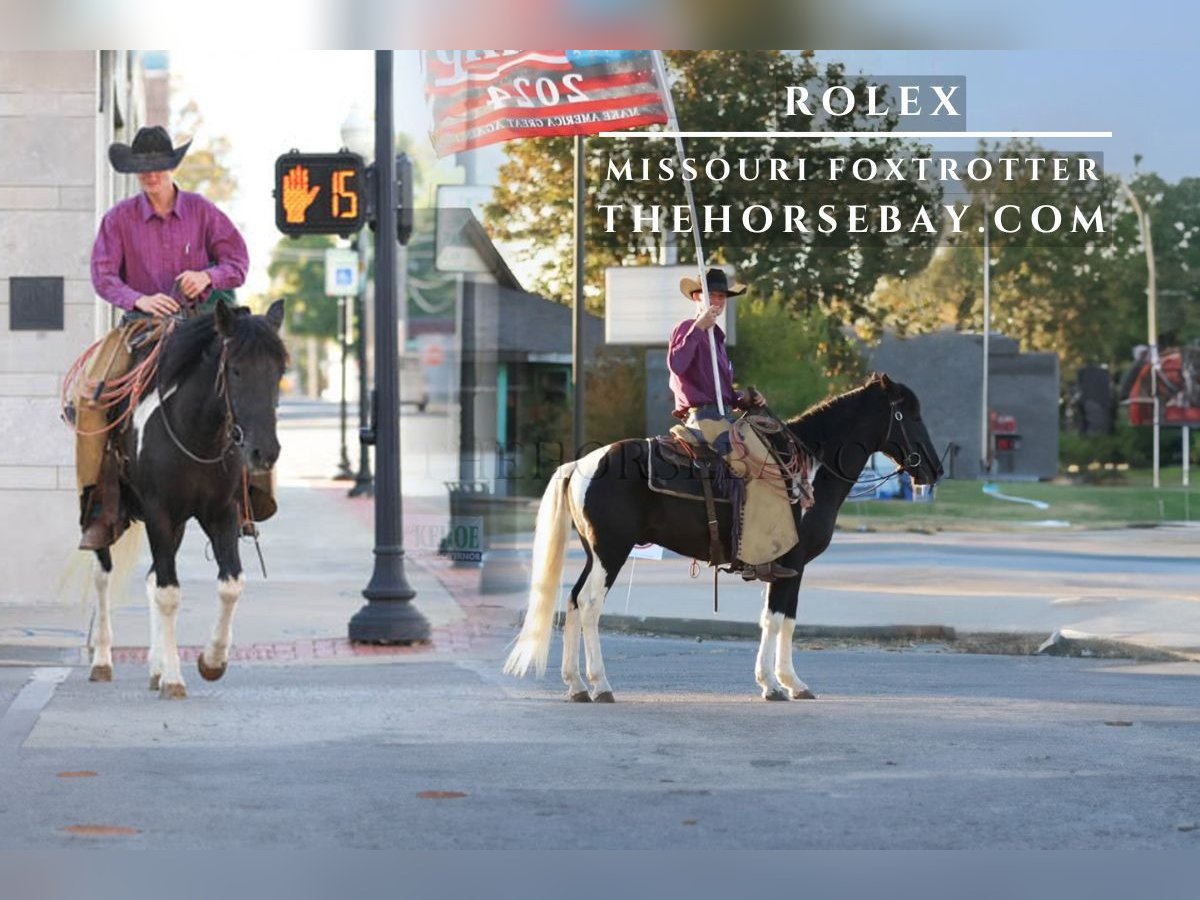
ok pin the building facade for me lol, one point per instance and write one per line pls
(945, 369)
(59, 111)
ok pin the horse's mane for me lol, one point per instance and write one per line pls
(827, 420)
(187, 343)
(829, 403)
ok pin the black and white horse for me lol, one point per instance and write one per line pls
(606, 495)
(210, 419)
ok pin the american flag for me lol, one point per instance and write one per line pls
(480, 97)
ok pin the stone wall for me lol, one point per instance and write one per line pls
(54, 185)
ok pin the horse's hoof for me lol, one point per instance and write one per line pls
(155, 680)
(210, 673)
(173, 692)
(100, 673)
(774, 694)
(805, 694)
(604, 697)
(580, 697)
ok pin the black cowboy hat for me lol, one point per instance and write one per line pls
(151, 151)
(717, 281)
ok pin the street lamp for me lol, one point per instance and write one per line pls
(1151, 311)
(358, 136)
(389, 616)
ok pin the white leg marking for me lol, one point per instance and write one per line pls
(591, 598)
(167, 600)
(589, 617)
(785, 672)
(764, 666)
(570, 658)
(102, 651)
(154, 657)
(216, 652)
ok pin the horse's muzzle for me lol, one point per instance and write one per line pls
(262, 460)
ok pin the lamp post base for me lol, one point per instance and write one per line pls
(389, 622)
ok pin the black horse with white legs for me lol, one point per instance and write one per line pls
(208, 422)
(607, 497)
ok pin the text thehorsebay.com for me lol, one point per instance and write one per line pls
(827, 188)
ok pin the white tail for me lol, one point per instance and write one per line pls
(549, 551)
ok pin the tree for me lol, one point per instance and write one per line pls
(1085, 300)
(713, 90)
(297, 271)
(204, 169)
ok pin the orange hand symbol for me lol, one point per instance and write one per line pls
(297, 196)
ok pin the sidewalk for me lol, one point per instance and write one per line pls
(318, 554)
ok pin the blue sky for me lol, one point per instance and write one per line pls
(1143, 97)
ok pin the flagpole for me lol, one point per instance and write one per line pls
(673, 124)
(577, 307)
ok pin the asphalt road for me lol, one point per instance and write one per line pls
(902, 750)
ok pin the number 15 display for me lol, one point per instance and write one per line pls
(320, 193)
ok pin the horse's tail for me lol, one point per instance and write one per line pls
(125, 554)
(549, 552)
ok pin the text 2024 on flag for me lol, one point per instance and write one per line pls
(480, 97)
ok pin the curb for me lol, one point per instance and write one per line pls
(721, 630)
(1001, 643)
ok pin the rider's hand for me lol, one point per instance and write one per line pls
(707, 319)
(297, 196)
(193, 283)
(156, 304)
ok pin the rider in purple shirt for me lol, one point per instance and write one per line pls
(689, 359)
(155, 252)
(767, 529)
(141, 251)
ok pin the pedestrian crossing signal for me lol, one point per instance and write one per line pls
(320, 193)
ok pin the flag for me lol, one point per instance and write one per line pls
(481, 97)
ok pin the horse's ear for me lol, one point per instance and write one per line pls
(885, 381)
(275, 314)
(224, 319)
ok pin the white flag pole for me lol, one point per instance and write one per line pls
(673, 124)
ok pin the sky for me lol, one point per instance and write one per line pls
(272, 101)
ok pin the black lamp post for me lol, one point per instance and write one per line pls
(389, 616)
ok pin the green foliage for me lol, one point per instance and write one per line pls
(1086, 302)
(1129, 444)
(297, 271)
(785, 354)
(615, 388)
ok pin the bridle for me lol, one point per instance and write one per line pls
(234, 436)
(912, 458)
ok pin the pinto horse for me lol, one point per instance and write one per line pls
(607, 497)
(209, 420)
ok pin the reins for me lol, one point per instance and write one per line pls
(233, 431)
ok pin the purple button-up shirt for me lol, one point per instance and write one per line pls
(690, 363)
(138, 252)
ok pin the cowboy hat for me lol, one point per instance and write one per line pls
(151, 151)
(717, 281)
